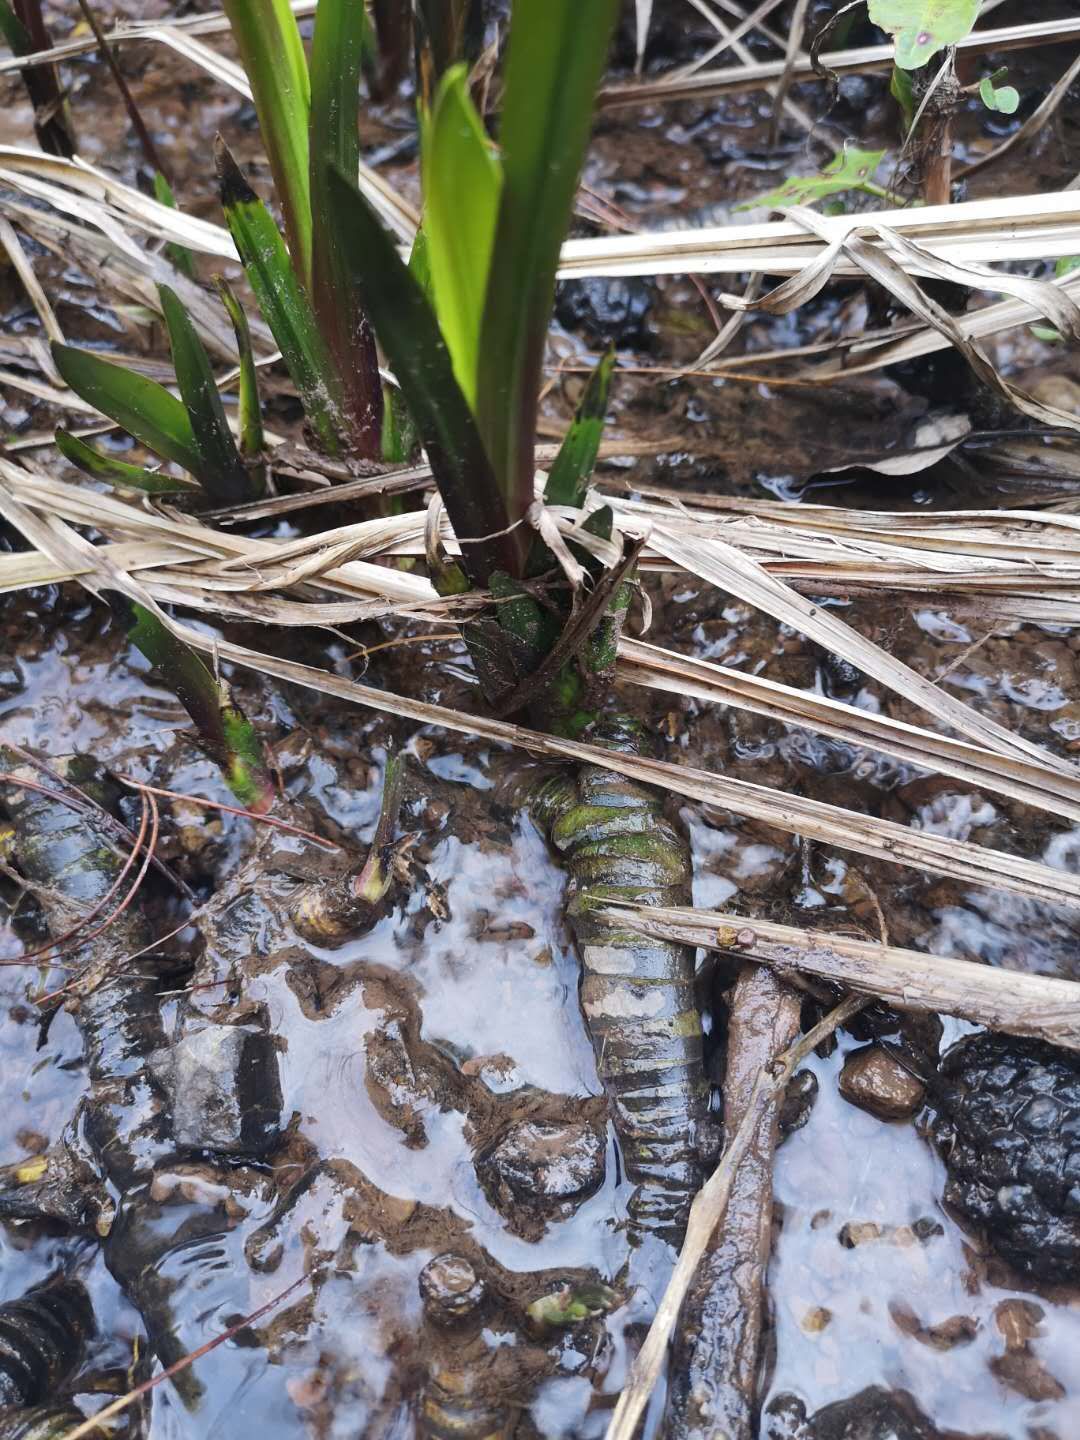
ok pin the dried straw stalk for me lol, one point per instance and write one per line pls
(1010, 1000)
(731, 79)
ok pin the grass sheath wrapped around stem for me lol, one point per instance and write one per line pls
(22, 28)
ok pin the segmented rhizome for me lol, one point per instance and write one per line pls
(637, 994)
(43, 1339)
(69, 858)
(1008, 1127)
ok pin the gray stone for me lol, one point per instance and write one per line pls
(225, 1090)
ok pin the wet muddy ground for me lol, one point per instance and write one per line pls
(438, 1092)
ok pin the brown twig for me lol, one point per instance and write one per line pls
(150, 150)
(231, 810)
(366, 651)
(61, 942)
(91, 1426)
(783, 85)
(714, 1366)
(1014, 1001)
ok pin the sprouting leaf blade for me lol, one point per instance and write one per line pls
(1005, 98)
(558, 49)
(409, 333)
(568, 478)
(272, 53)
(284, 305)
(852, 169)
(115, 471)
(923, 27)
(462, 184)
(222, 474)
(250, 411)
(139, 405)
(336, 53)
(179, 256)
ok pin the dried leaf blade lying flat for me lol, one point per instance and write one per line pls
(730, 79)
(880, 265)
(182, 561)
(1034, 784)
(730, 570)
(847, 830)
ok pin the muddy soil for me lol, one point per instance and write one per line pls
(438, 1092)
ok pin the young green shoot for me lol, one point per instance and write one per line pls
(225, 733)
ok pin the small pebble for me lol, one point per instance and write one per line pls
(859, 1232)
(874, 1080)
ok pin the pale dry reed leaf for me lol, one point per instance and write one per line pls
(936, 438)
(127, 32)
(729, 570)
(1017, 556)
(1004, 229)
(731, 79)
(792, 53)
(64, 182)
(137, 275)
(1032, 783)
(51, 394)
(728, 38)
(875, 352)
(238, 586)
(732, 36)
(21, 264)
(882, 266)
(1022, 557)
(829, 824)
(204, 57)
